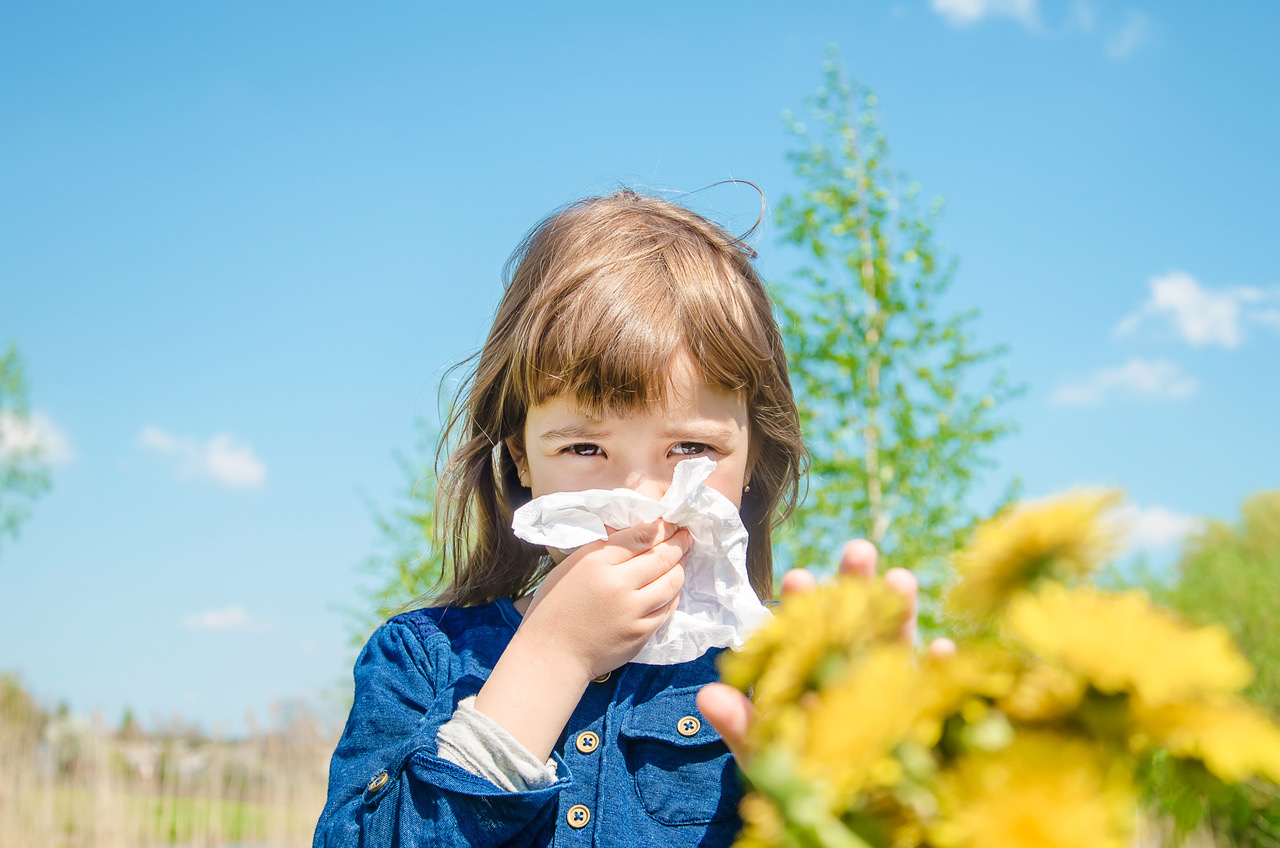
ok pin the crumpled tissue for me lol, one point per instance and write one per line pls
(717, 607)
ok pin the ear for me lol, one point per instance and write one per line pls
(516, 448)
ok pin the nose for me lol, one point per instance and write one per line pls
(649, 482)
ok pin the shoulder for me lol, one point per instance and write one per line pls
(453, 642)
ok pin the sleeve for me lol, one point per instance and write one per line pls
(482, 746)
(388, 786)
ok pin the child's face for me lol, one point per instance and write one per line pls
(566, 451)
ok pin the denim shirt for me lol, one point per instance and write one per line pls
(637, 765)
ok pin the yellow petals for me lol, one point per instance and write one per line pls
(1122, 643)
(1044, 693)
(1044, 790)
(812, 637)
(1057, 538)
(855, 724)
(1234, 739)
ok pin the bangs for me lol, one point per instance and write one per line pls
(612, 335)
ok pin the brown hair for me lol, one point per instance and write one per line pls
(601, 299)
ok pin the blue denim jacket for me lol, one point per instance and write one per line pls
(649, 771)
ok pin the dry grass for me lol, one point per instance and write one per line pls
(74, 785)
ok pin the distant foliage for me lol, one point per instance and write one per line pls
(1232, 574)
(897, 403)
(408, 565)
(24, 474)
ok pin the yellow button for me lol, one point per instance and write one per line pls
(688, 726)
(378, 782)
(587, 742)
(578, 816)
(602, 678)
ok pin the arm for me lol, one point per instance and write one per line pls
(403, 694)
(593, 612)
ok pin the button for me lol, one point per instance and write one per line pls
(688, 726)
(578, 816)
(587, 742)
(378, 782)
(602, 678)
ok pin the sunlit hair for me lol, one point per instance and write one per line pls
(603, 299)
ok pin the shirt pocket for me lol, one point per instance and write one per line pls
(683, 771)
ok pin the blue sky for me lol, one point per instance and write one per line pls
(240, 242)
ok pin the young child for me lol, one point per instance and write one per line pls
(633, 334)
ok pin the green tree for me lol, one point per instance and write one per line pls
(24, 475)
(1231, 574)
(407, 565)
(897, 404)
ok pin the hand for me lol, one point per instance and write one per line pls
(730, 711)
(600, 605)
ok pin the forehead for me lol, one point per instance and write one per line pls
(688, 401)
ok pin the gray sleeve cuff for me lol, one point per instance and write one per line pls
(480, 745)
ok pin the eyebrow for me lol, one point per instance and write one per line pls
(692, 433)
(699, 433)
(573, 431)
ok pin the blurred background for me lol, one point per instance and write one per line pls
(240, 245)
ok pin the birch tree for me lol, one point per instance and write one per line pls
(897, 403)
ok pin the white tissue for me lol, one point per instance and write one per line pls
(717, 607)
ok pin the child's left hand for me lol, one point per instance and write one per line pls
(729, 711)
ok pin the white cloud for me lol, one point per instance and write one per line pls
(965, 12)
(1154, 527)
(221, 458)
(1083, 16)
(234, 617)
(1267, 318)
(33, 435)
(1130, 36)
(1136, 378)
(1203, 316)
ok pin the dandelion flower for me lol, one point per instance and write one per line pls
(762, 825)
(854, 725)
(1045, 692)
(1234, 739)
(1123, 643)
(1058, 538)
(1044, 790)
(949, 682)
(810, 640)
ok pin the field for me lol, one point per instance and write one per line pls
(72, 784)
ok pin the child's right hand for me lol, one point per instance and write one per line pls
(600, 605)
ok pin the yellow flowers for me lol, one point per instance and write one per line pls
(1061, 538)
(1121, 643)
(1035, 733)
(1041, 790)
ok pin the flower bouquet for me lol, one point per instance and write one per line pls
(1061, 708)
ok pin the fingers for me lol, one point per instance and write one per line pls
(941, 647)
(798, 580)
(729, 712)
(633, 541)
(661, 596)
(858, 559)
(904, 583)
(660, 560)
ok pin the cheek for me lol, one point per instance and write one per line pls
(728, 479)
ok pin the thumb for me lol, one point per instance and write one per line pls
(730, 713)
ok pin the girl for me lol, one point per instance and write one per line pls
(632, 334)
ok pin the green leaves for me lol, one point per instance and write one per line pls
(896, 399)
(24, 474)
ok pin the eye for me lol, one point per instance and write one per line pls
(583, 449)
(691, 449)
